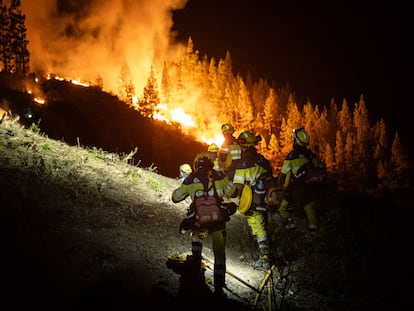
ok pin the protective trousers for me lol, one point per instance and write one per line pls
(285, 210)
(219, 250)
(257, 224)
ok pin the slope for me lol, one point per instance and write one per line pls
(86, 227)
(82, 226)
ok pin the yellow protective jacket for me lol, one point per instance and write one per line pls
(193, 186)
(292, 164)
(230, 154)
(251, 166)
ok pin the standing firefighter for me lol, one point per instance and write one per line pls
(254, 172)
(207, 214)
(230, 152)
(301, 176)
(214, 150)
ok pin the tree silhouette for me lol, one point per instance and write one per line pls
(399, 164)
(126, 87)
(150, 98)
(18, 42)
(5, 41)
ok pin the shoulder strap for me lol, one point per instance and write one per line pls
(213, 185)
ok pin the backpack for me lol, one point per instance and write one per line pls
(207, 210)
(263, 183)
(259, 189)
(312, 175)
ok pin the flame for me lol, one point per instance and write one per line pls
(109, 44)
(78, 82)
(218, 139)
(179, 115)
(163, 113)
(40, 100)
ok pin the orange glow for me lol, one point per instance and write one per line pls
(180, 116)
(78, 82)
(40, 100)
(119, 53)
(218, 139)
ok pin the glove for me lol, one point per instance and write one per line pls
(187, 223)
(200, 234)
(274, 196)
(231, 207)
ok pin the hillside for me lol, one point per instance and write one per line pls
(87, 116)
(83, 227)
(86, 220)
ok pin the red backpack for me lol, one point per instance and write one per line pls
(207, 210)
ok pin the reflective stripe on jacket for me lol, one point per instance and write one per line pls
(250, 167)
(193, 187)
(294, 161)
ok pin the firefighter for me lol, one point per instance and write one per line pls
(255, 171)
(205, 177)
(230, 152)
(291, 178)
(214, 150)
(184, 170)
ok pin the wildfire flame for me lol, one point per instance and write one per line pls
(108, 44)
(164, 113)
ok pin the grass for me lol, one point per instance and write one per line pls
(84, 213)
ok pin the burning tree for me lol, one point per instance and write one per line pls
(147, 104)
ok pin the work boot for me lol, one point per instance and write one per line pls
(219, 293)
(313, 227)
(193, 264)
(290, 224)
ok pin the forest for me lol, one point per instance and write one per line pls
(358, 151)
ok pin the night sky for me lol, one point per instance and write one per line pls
(322, 49)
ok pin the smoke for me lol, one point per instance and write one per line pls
(90, 39)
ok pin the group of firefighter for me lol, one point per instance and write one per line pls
(243, 180)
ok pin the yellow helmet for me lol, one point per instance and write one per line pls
(185, 169)
(227, 128)
(301, 137)
(213, 148)
(247, 139)
(203, 160)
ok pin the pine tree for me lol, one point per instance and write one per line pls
(5, 54)
(329, 157)
(379, 137)
(345, 119)
(126, 87)
(269, 122)
(362, 152)
(150, 98)
(349, 155)
(339, 154)
(400, 163)
(245, 109)
(18, 41)
(333, 122)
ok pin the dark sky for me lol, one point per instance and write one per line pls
(322, 49)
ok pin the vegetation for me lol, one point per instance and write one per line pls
(14, 54)
(358, 151)
(89, 228)
(77, 211)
